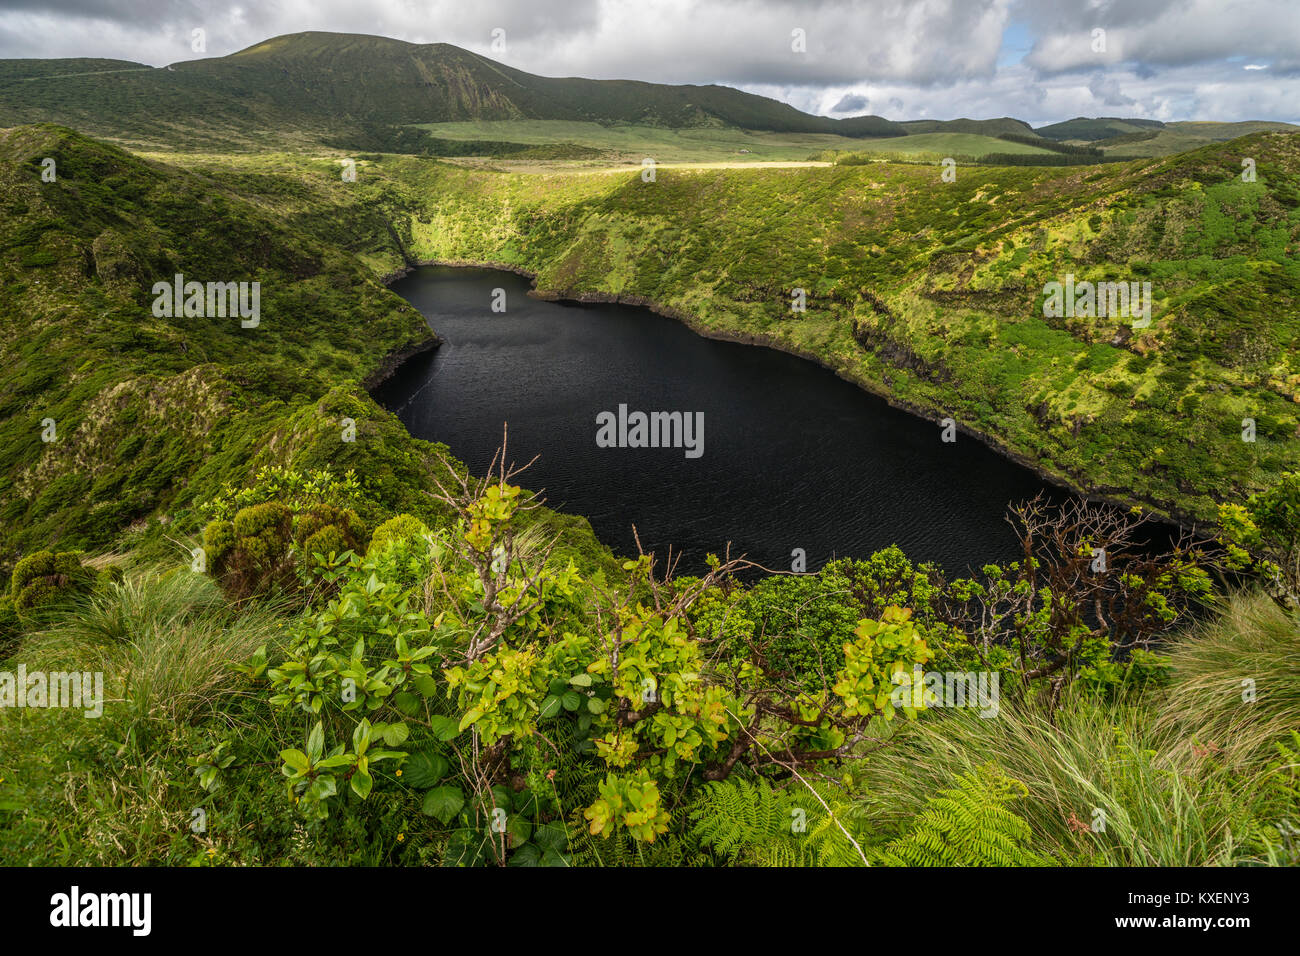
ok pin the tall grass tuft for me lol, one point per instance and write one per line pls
(1251, 650)
(1174, 778)
(165, 641)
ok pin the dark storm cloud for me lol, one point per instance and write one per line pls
(851, 103)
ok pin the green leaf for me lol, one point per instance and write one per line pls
(471, 715)
(426, 685)
(322, 787)
(550, 707)
(395, 734)
(296, 759)
(580, 680)
(551, 836)
(443, 803)
(596, 705)
(361, 736)
(519, 829)
(444, 728)
(424, 769)
(526, 855)
(316, 742)
(571, 700)
(362, 782)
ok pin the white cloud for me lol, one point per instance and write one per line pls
(1164, 59)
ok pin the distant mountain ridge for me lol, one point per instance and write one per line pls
(356, 91)
(304, 80)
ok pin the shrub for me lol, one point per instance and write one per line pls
(251, 555)
(323, 529)
(1267, 528)
(44, 578)
(401, 527)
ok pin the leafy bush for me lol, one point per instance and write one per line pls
(45, 579)
(401, 527)
(269, 548)
(1267, 527)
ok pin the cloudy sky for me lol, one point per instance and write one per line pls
(1038, 60)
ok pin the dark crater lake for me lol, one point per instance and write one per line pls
(793, 456)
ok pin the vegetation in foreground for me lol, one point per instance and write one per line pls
(462, 693)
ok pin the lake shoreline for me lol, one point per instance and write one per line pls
(1182, 522)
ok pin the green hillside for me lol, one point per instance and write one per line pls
(629, 143)
(1141, 137)
(1085, 129)
(73, 66)
(155, 413)
(369, 93)
(990, 127)
(1180, 137)
(303, 86)
(932, 147)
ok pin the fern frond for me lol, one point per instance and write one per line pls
(968, 825)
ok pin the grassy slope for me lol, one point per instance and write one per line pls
(1180, 137)
(929, 146)
(154, 416)
(989, 127)
(1153, 416)
(1087, 129)
(633, 142)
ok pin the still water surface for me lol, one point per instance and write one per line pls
(793, 456)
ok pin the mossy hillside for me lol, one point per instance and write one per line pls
(148, 412)
(153, 417)
(932, 293)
